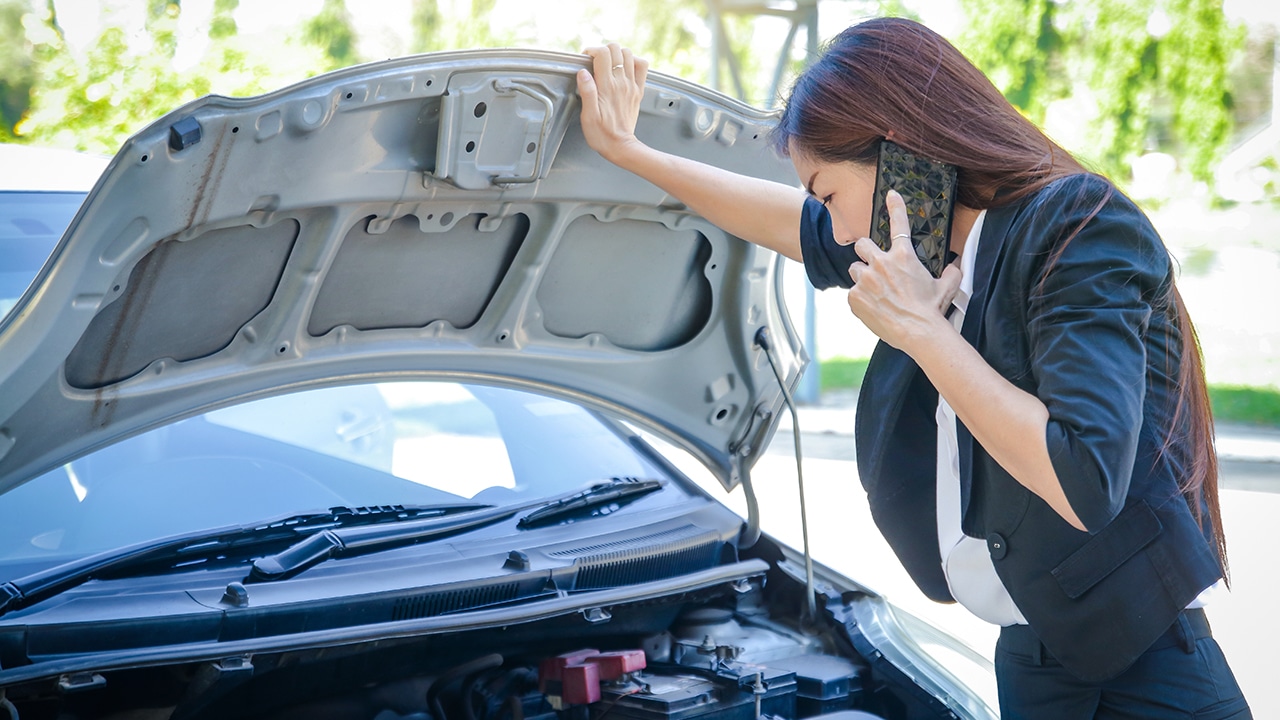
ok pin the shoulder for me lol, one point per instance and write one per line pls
(1081, 186)
(1076, 199)
(1083, 208)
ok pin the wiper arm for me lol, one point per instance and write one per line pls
(188, 548)
(614, 491)
(331, 543)
(323, 535)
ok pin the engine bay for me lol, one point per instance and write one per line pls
(736, 651)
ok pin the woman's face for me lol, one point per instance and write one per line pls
(845, 188)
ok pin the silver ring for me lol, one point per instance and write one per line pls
(900, 235)
(617, 67)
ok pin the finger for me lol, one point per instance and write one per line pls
(855, 300)
(868, 250)
(855, 271)
(642, 71)
(628, 64)
(599, 61)
(899, 225)
(615, 55)
(587, 89)
(948, 286)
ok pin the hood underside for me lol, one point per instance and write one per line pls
(434, 216)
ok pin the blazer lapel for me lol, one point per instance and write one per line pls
(995, 228)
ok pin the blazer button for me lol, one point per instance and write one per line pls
(997, 546)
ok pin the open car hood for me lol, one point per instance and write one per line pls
(432, 216)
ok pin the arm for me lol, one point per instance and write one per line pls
(900, 302)
(1074, 441)
(1009, 423)
(759, 211)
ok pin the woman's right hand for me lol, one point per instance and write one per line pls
(760, 211)
(611, 95)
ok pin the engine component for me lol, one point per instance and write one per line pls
(575, 678)
(824, 683)
(709, 637)
(684, 695)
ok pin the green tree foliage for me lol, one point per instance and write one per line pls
(1152, 73)
(331, 31)
(1015, 42)
(427, 22)
(223, 23)
(91, 101)
(92, 98)
(19, 72)
(1196, 59)
(436, 30)
(665, 33)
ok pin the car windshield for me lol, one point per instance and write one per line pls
(397, 443)
(30, 225)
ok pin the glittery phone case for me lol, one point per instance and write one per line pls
(929, 190)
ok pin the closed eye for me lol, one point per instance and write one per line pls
(826, 201)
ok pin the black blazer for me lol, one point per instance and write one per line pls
(1094, 335)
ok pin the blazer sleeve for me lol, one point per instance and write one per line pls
(825, 261)
(1088, 313)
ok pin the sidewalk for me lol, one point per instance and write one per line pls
(834, 415)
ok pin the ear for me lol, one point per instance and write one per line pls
(889, 136)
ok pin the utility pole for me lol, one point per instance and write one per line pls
(801, 15)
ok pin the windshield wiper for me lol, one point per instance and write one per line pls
(596, 497)
(191, 548)
(332, 543)
(312, 538)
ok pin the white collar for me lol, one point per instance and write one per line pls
(967, 260)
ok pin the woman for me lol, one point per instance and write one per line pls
(1033, 430)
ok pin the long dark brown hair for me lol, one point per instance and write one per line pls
(892, 76)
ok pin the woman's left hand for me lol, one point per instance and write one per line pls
(893, 293)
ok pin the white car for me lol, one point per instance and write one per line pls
(343, 402)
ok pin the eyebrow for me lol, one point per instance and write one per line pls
(809, 185)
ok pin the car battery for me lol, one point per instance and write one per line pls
(824, 683)
(685, 695)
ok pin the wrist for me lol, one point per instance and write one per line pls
(928, 336)
(625, 152)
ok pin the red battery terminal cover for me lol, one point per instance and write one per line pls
(575, 677)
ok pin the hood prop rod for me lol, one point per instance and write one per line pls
(810, 611)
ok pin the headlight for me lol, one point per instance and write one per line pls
(951, 671)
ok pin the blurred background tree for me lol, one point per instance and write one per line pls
(330, 31)
(19, 66)
(1113, 80)
(1171, 98)
(1130, 76)
(128, 73)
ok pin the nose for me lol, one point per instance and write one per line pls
(840, 231)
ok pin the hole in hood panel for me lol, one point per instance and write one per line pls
(407, 278)
(640, 284)
(184, 300)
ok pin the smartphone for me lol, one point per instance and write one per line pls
(929, 189)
